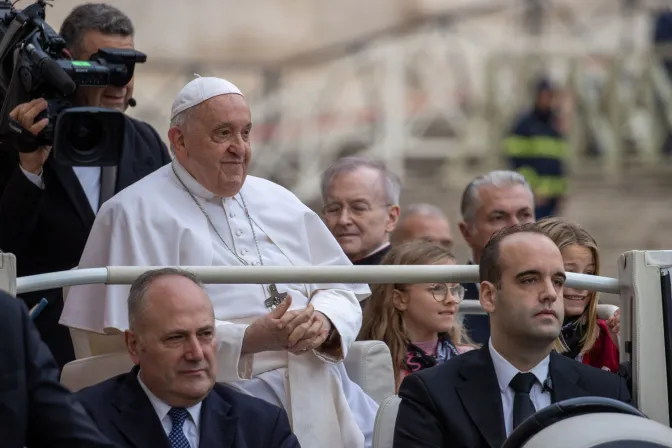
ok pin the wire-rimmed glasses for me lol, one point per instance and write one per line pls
(440, 292)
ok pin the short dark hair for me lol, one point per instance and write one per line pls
(489, 269)
(101, 17)
(136, 298)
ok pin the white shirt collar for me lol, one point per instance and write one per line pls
(506, 371)
(378, 249)
(162, 408)
(191, 183)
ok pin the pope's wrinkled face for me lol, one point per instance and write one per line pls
(213, 143)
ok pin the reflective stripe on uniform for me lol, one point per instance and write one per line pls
(537, 146)
(546, 186)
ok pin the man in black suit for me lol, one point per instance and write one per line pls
(170, 399)
(35, 410)
(491, 202)
(476, 399)
(47, 209)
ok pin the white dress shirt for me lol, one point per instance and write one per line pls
(89, 177)
(505, 373)
(191, 425)
(378, 249)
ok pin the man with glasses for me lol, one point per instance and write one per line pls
(361, 207)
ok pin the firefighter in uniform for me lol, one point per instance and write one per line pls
(537, 149)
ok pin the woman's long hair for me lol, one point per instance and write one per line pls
(382, 321)
(566, 233)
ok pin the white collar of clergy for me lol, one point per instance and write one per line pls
(192, 184)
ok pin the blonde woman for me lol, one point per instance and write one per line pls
(584, 337)
(419, 322)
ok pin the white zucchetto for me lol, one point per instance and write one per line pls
(200, 90)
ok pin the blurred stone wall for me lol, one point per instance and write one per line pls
(236, 39)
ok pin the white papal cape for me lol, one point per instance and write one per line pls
(155, 222)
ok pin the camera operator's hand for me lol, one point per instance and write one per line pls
(25, 114)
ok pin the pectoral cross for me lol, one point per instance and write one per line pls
(276, 297)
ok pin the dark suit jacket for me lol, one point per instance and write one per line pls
(229, 419)
(47, 229)
(458, 404)
(372, 260)
(35, 410)
(477, 325)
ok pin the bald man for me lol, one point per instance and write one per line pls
(424, 221)
(172, 389)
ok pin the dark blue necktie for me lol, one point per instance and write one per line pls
(522, 403)
(176, 437)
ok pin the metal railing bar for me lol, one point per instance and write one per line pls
(117, 275)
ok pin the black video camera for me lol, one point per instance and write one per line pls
(34, 65)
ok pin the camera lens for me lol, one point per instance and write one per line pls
(89, 136)
(85, 135)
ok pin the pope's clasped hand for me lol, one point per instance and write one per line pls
(297, 331)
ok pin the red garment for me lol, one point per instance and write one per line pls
(604, 354)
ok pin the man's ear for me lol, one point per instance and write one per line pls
(68, 53)
(131, 340)
(399, 300)
(488, 297)
(392, 218)
(176, 139)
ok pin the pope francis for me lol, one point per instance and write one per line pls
(282, 343)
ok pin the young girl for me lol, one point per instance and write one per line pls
(584, 337)
(419, 322)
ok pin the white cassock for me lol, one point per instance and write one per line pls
(155, 222)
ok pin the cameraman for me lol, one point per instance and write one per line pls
(47, 209)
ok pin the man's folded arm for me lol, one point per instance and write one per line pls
(624, 393)
(625, 372)
(417, 424)
(56, 418)
(20, 199)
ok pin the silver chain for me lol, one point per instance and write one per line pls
(247, 213)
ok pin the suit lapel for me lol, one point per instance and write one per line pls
(218, 425)
(564, 379)
(67, 177)
(482, 399)
(137, 419)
